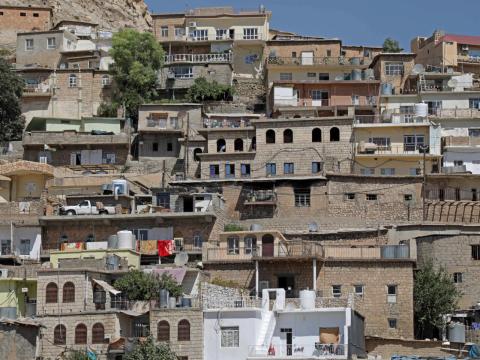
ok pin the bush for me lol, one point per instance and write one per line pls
(148, 350)
(202, 90)
(233, 227)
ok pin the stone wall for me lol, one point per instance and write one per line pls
(387, 347)
(17, 342)
(250, 92)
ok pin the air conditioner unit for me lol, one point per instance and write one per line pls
(192, 24)
(3, 273)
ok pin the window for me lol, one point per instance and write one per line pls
(1, 13)
(474, 103)
(183, 72)
(408, 197)
(229, 170)
(51, 43)
(371, 197)
(214, 171)
(383, 143)
(329, 52)
(69, 292)
(355, 100)
(28, 44)
(183, 330)
(72, 81)
(457, 277)
(174, 122)
(359, 289)
(250, 34)
(387, 171)
(250, 243)
(324, 76)
(336, 290)
(179, 32)
(457, 162)
(288, 168)
(286, 76)
(391, 293)
(367, 171)
(294, 54)
(164, 31)
(23, 14)
(105, 80)
(393, 68)
(25, 247)
(233, 245)
(51, 293)
(238, 145)
(311, 75)
(163, 331)
(221, 145)
(222, 34)
(476, 252)
(199, 35)
(317, 167)
(197, 240)
(415, 171)
(349, 196)
(271, 168)
(254, 143)
(316, 135)
(302, 197)
(413, 142)
(81, 334)
(155, 147)
(36, 14)
(98, 333)
(230, 337)
(60, 335)
(319, 97)
(392, 323)
(270, 137)
(288, 136)
(163, 200)
(196, 152)
(169, 147)
(245, 170)
(334, 134)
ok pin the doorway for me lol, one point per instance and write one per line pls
(267, 245)
(287, 339)
(188, 204)
(287, 282)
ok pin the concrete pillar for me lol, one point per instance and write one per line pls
(256, 279)
(314, 266)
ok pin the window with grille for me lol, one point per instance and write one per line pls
(250, 33)
(371, 197)
(183, 72)
(336, 290)
(68, 292)
(98, 334)
(288, 168)
(183, 330)
(28, 44)
(394, 68)
(163, 331)
(230, 337)
(476, 252)
(81, 334)
(233, 244)
(60, 335)
(221, 34)
(51, 293)
(199, 35)
(72, 81)
(51, 43)
(302, 197)
(286, 76)
(164, 30)
(457, 277)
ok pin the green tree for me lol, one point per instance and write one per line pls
(391, 46)
(169, 283)
(202, 90)
(434, 295)
(137, 58)
(107, 110)
(148, 350)
(11, 88)
(141, 286)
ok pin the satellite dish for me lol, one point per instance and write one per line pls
(181, 259)
(418, 69)
(452, 83)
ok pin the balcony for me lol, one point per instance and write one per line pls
(390, 120)
(72, 137)
(461, 141)
(226, 123)
(371, 149)
(455, 113)
(162, 124)
(37, 90)
(260, 197)
(298, 350)
(238, 35)
(198, 58)
(318, 61)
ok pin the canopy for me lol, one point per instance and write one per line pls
(106, 286)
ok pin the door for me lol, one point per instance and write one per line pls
(286, 336)
(188, 204)
(319, 98)
(307, 58)
(25, 247)
(267, 245)
(75, 158)
(287, 282)
(163, 200)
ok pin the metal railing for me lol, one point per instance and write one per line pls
(405, 149)
(391, 119)
(237, 35)
(162, 124)
(37, 89)
(461, 141)
(225, 123)
(325, 60)
(298, 349)
(455, 113)
(198, 58)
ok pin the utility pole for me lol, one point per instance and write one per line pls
(424, 149)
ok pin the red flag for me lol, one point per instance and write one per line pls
(165, 247)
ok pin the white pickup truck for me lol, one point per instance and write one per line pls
(86, 208)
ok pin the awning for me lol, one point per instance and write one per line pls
(106, 286)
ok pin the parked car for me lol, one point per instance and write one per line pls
(86, 208)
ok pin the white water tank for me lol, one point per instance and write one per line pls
(421, 109)
(120, 187)
(307, 299)
(125, 239)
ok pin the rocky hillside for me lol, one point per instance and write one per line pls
(109, 14)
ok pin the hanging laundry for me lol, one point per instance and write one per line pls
(165, 247)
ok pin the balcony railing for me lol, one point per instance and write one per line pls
(162, 124)
(391, 119)
(198, 58)
(37, 89)
(461, 141)
(326, 60)
(225, 123)
(455, 113)
(237, 35)
(372, 149)
(298, 350)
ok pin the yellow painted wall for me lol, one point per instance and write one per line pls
(132, 256)
(11, 293)
(20, 186)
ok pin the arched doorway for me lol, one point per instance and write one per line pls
(267, 245)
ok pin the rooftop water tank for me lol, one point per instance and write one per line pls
(456, 332)
(368, 74)
(164, 298)
(387, 89)
(112, 242)
(125, 239)
(421, 109)
(356, 74)
(307, 299)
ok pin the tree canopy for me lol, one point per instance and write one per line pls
(202, 90)
(434, 295)
(11, 119)
(391, 46)
(137, 58)
(148, 350)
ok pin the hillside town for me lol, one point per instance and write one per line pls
(273, 196)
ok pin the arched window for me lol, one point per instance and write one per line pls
(254, 143)
(316, 135)
(334, 134)
(69, 292)
(81, 334)
(270, 137)
(163, 331)
(221, 145)
(288, 136)
(238, 145)
(183, 330)
(60, 335)
(51, 293)
(98, 333)
(72, 80)
(195, 154)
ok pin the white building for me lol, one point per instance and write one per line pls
(280, 328)
(20, 240)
